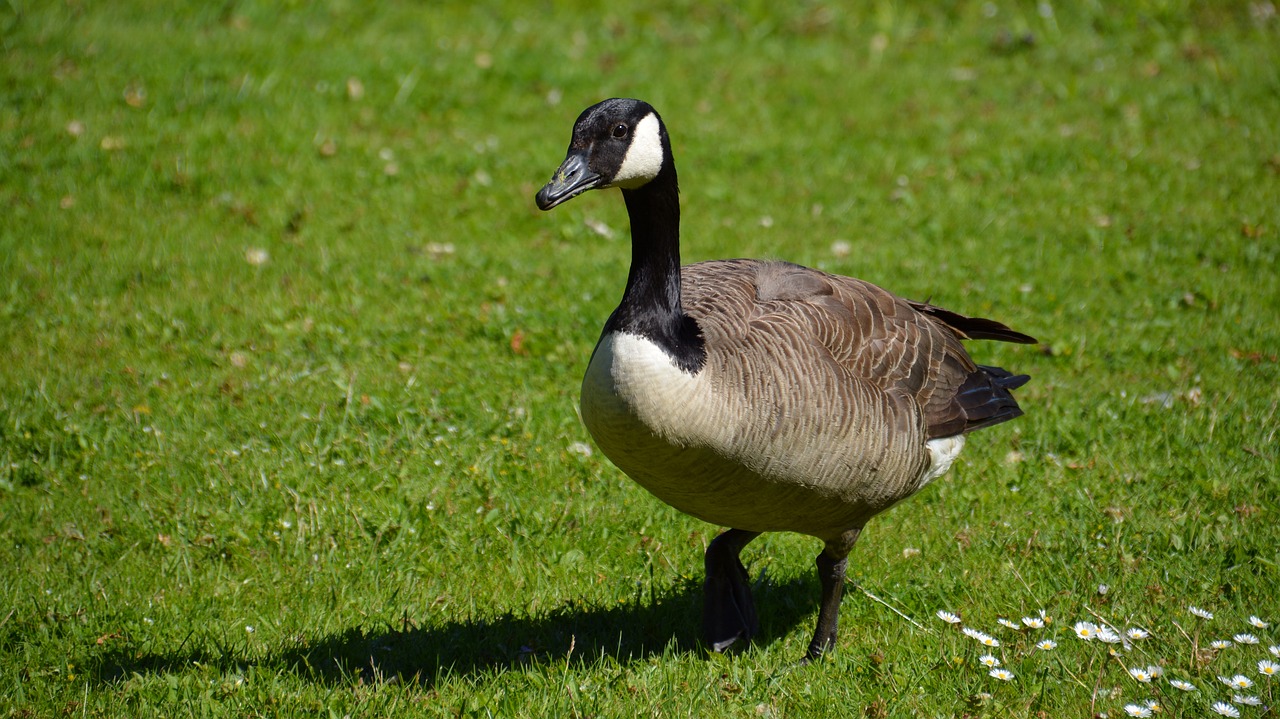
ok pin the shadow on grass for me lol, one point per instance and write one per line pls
(413, 652)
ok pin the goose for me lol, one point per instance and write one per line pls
(764, 396)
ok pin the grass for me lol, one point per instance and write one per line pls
(289, 361)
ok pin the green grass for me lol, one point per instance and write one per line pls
(289, 361)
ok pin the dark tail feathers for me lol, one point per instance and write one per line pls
(986, 397)
(973, 328)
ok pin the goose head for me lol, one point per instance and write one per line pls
(616, 143)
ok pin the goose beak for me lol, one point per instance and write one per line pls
(572, 179)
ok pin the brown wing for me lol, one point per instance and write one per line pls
(906, 349)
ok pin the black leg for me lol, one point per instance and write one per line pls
(831, 563)
(728, 613)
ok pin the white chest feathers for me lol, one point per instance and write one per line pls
(632, 386)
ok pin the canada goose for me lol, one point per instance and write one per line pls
(765, 396)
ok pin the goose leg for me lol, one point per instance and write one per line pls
(831, 563)
(728, 612)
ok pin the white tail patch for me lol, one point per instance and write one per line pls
(644, 156)
(943, 451)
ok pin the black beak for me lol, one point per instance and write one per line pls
(572, 179)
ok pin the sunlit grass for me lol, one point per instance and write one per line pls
(289, 362)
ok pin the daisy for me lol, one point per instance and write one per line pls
(1274, 650)
(1106, 635)
(1268, 668)
(1257, 622)
(1136, 633)
(1245, 639)
(1086, 630)
(1152, 704)
(1033, 622)
(948, 617)
(1006, 623)
(989, 661)
(983, 638)
(1046, 645)
(1003, 675)
(1226, 709)
(1200, 612)
(1220, 644)
(1251, 701)
(1183, 685)
(1239, 681)
(1140, 674)
(1134, 710)
(1146, 674)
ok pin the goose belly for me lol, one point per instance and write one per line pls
(705, 451)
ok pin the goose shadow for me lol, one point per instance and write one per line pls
(426, 651)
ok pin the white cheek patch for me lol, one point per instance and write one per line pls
(644, 157)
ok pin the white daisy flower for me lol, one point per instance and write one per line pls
(1247, 700)
(1033, 622)
(1274, 650)
(989, 661)
(1105, 634)
(1003, 675)
(1086, 630)
(1006, 623)
(1268, 668)
(1134, 710)
(1220, 644)
(1183, 685)
(1047, 644)
(1225, 710)
(1257, 622)
(1152, 704)
(1136, 633)
(982, 637)
(1200, 612)
(1245, 639)
(1141, 674)
(1155, 671)
(1239, 681)
(948, 617)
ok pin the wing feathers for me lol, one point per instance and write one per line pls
(910, 350)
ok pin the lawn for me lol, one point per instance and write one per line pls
(289, 360)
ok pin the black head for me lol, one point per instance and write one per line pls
(616, 143)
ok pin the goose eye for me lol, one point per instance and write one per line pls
(620, 131)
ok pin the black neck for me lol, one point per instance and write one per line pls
(651, 303)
